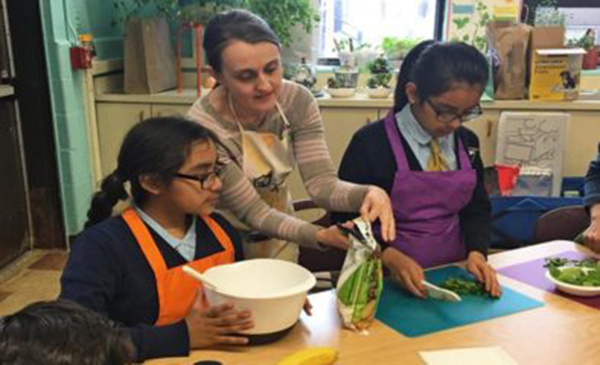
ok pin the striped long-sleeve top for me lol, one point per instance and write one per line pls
(310, 152)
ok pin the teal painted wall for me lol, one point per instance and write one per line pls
(62, 20)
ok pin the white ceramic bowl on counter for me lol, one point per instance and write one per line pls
(578, 290)
(274, 291)
(379, 93)
(343, 92)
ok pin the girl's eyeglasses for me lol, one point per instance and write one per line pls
(205, 180)
(449, 117)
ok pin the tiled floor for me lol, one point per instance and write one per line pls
(33, 277)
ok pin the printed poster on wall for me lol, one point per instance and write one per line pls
(466, 20)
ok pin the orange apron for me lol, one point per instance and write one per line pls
(176, 290)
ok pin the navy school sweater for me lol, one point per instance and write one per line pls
(108, 272)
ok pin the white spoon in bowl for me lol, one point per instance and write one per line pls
(198, 276)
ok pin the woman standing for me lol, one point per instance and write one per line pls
(266, 126)
(430, 165)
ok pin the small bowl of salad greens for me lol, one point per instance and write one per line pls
(575, 277)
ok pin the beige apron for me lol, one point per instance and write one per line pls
(267, 162)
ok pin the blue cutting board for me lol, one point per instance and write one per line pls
(413, 317)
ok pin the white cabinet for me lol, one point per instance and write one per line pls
(340, 124)
(168, 110)
(116, 118)
(583, 136)
(114, 121)
(486, 128)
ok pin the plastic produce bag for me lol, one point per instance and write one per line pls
(535, 181)
(361, 279)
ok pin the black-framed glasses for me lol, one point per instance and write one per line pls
(205, 180)
(449, 117)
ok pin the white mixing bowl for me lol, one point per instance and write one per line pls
(274, 291)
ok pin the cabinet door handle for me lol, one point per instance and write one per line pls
(489, 128)
(141, 115)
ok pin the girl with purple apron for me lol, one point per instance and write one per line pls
(441, 209)
(427, 225)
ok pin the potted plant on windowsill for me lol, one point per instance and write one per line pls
(395, 49)
(343, 83)
(378, 85)
(587, 42)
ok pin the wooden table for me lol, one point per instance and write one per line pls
(561, 332)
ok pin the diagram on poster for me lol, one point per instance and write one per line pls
(533, 140)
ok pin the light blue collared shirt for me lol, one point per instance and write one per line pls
(185, 246)
(418, 139)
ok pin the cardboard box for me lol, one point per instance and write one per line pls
(555, 74)
(548, 37)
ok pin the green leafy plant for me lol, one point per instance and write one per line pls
(348, 44)
(397, 48)
(333, 83)
(284, 15)
(577, 272)
(197, 11)
(281, 15)
(544, 13)
(586, 41)
(379, 65)
(380, 73)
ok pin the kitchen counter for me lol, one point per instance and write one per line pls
(359, 100)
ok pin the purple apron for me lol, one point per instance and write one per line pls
(426, 205)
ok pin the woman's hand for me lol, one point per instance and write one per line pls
(405, 270)
(333, 237)
(484, 273)
(377, 205)
(216, 325)
(591, 236)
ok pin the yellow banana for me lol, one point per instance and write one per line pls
(311, 356)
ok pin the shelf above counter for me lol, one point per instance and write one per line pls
(359, 100)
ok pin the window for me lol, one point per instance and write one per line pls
(579, 20)
(370, 21)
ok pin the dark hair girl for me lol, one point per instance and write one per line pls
(436, 67)
(130, 267)
(429, 164)
(156, 146)
(59, 333)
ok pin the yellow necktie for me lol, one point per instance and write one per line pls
(436, 161)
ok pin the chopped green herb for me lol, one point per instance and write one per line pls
(464, 286)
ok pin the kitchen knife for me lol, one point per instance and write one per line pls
(438, 293)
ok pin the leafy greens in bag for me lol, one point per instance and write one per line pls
(361, 279)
